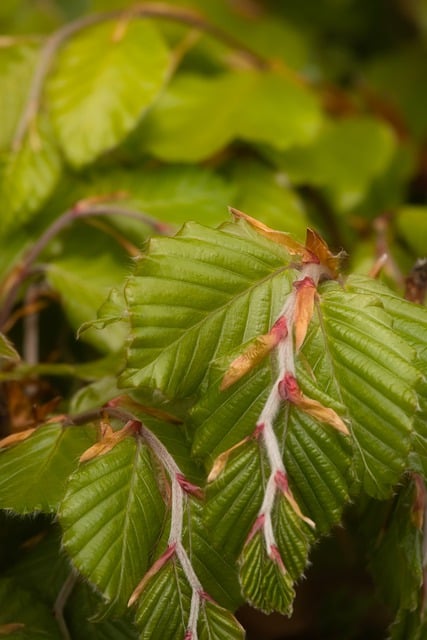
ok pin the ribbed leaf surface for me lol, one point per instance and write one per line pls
(196, 296)
(234, 500)
(33, 474)
(194, 303)
(105, 78)
(162, 610)
(112, 515)
(264, 583)
(217, 623)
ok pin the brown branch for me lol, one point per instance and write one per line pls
(80, 210)
(148, 10)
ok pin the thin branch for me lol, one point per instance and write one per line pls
(61, 601)
(79, 211)
(157, 10)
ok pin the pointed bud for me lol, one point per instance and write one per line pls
(281, 480)
(257, 526)
(274, 554)
(108, 442)
(220, 462)
(155, 568)
(15, 438)
(279, 237)
(321, 254)
(304, 306)
(255, 353)
(189, 487)
(290, 391)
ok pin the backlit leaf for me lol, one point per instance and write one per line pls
(105, 79)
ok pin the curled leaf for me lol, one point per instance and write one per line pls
(320, 252)
(290, 391)
(279, 237)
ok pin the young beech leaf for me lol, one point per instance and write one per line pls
(34, 473)
(111, 516)
(288, 437)
(194, 298)
(104, 80)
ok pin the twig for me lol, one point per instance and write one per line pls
(157, 10)
(80, 210)
(61, 601)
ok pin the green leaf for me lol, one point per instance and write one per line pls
(34, 473)
(28, 175)
(345, 159)
(234, 499)
(410, 323)
(395, 549)
(217, 573)
(411, 222)
(80, 610)
(17, 64)
(83, 274)
(43, 567)
(106, 77)
(375, 374)
(172, 194)
(266, 195)
(162, 610)
(253, 106)
(405, 68)
(111, 516)
(22, 606)
(264, 583)
(187, 300)
(7, 350)
(217, 623)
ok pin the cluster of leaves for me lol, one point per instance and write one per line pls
(230, 394)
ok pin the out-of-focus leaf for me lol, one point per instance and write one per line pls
(253, 106)
(23, 607)
(394, 548)
(266, 195)
(105, 79)
(405, 68)
(28, 175)
(34, 473)
(16, 66)
(90, 265)
(345, 159)
(411, 224)
(170, 194)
